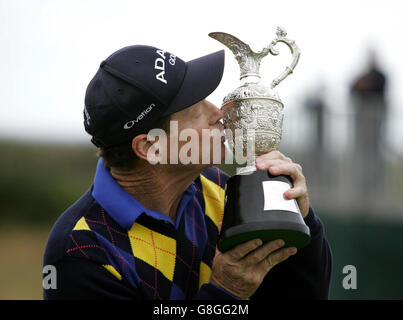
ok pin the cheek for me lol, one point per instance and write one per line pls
(202, 141)
(213, 145)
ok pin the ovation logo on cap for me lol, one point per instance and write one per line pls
(130, 124)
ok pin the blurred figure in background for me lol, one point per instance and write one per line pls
(368, 100)
(315, 106)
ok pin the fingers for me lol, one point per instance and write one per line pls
(260, 254)
(274, 258)
(272, 155)
(243, 249)
(293, 170)
(241, 271)
(290, 169)
(278, 164)
(267, 164)
(299, 190)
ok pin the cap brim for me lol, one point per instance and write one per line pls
(203, 75)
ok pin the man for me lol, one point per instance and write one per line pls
(149, 231)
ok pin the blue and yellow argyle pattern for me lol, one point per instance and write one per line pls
(155, 256)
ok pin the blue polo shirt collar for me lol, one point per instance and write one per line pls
(122, 206)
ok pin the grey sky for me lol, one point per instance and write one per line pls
(51, 49)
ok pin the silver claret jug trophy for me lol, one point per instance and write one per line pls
(254, 202)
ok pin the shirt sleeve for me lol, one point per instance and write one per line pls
(305, 275)
(210, 291)
(82, 279)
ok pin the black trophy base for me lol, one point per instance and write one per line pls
(294, 234)
(245, 218)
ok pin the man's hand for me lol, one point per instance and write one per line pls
(278, 164)
(241, 270)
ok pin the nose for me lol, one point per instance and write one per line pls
(220, 114)
(216, 113)
(219, 120)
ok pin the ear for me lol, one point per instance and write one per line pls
(140, 146)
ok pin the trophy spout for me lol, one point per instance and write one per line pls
(248, 60)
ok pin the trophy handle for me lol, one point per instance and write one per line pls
(281, 37)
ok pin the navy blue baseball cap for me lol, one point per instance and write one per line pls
(138, 85)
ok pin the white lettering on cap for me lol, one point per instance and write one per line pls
(130, 124)
(160, 65)
(87, 115)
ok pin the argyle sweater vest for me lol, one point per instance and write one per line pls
(96, 258)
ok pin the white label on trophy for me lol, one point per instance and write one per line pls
(274, 197)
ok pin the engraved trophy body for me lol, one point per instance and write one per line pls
(253, 115)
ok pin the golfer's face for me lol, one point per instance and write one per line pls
(201, 127)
